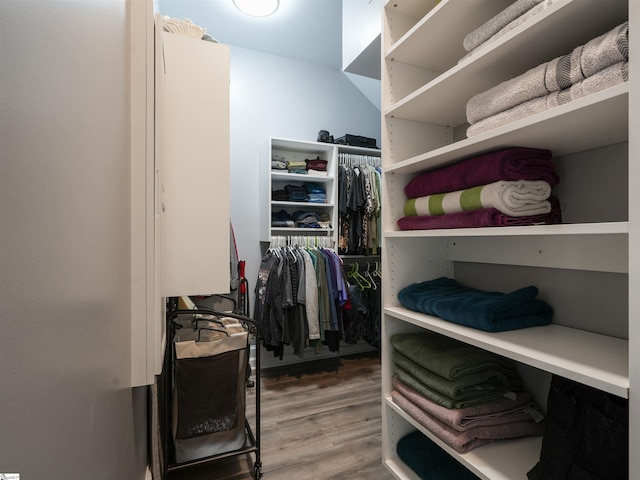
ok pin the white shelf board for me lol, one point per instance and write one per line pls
(412, 8)
(278, 203)
(592, 359)
(605, 228)
(563, 130)
(501, 460)
(300, 177)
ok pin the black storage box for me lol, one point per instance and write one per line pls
(357, 141)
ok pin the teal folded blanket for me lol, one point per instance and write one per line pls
(483, 310)
(429, 461)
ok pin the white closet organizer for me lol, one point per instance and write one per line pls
(584, 268)
(298, 151)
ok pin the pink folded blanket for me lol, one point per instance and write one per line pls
(471, 438)
(485, 217)
(517, 163)
(505, 410)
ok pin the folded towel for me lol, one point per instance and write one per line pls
(467, 386)
(495, 24)
(471, 438)
(484, 310)
(516, 163)
(557, 74)
(609, 77)
(485, 217)
(513, 408)
(446, 401)
(429, 461)
(585, 61)
(448, 357)
(514, 198)
(516, 22)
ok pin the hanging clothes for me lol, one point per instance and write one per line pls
(359, 202)
(300, 293)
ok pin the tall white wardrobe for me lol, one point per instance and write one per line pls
(586, 268)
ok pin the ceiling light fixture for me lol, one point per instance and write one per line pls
(257, 8)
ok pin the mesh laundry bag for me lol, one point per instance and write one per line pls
(209, 394)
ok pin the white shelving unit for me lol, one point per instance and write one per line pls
(300, 150)
(296, 150)
(586, 268)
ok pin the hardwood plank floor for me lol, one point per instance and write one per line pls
(321, 420)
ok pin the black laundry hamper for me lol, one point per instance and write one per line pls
(205, 389)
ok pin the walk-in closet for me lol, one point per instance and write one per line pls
(319, 240)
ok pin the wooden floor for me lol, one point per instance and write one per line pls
(320, 421)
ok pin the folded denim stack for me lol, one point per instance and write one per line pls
(315, 193)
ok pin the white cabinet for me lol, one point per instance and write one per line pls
(179, 178)
(192, 118)
(585, 268)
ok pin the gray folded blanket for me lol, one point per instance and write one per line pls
(609, 77)
(558, 74)
(495, 24)
(516, 22)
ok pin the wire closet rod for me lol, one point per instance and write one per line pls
(302, 241)
(355, 159)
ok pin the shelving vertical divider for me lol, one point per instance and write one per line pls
(426, 83)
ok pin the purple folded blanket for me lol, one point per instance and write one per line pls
(517, 163)
(469, 439)
(504, 410)
(484, 217)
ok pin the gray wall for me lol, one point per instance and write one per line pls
(66, 411)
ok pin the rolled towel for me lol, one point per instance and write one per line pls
(557, 74)
(609, 77)
(496, 23)
(516, 163)
(514, 198)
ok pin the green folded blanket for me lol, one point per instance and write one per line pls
(460, 388)
(448, 357)
(514, 198)
(478, 398)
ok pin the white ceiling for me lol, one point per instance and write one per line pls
(307, 30)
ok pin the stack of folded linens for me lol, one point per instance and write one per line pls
(464, 395)
(601, 63)
(502, 188)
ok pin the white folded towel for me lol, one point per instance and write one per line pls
(514, 198)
